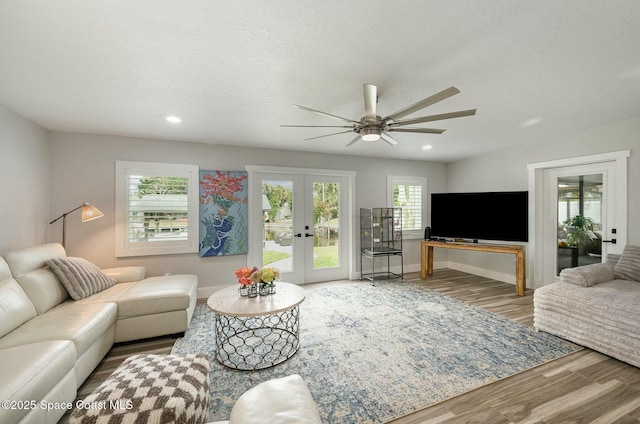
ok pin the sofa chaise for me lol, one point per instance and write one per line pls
(53, 334)
(597, 306)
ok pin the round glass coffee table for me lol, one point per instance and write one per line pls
(253, 333)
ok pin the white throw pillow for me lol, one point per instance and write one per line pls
(80, 277)
(628, 266)
(587, 275)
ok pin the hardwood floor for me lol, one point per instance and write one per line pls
(584, 387)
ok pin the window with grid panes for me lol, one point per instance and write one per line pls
(156, 208)
(409, 193)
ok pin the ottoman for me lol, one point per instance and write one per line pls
(150, 389)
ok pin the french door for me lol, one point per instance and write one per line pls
(300, 225)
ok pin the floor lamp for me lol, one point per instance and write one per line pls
(89, 213)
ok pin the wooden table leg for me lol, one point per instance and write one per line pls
(423, 260)
(521, 283)
(430, 260)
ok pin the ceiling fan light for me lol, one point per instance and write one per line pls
(371, 137)
(370, 134)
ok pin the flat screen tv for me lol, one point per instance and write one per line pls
(500, 215)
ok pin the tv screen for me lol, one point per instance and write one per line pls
(501, 215)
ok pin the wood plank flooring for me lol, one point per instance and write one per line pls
(584, 387)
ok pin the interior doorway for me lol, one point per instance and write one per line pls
(591, 188)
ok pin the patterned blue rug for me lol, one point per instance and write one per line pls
(371, 354)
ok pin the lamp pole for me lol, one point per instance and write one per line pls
(93, 213)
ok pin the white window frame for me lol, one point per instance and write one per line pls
(392, 182)
(124, 247)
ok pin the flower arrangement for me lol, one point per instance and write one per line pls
(265, 275)
(250, 278)
(244, 275)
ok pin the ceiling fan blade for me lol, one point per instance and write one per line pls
(370, 100)
(326, 114)
(418, 130)
(358, 138)
(317, 126)
(438, 97)
(387, 138)
(327, 135)
(439, 117)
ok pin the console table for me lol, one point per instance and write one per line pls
(426, 261)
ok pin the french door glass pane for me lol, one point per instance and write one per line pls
(277, 242)
(579, 220)
(326, 228)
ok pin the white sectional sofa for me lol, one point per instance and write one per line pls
(50, 343)
(597, 306)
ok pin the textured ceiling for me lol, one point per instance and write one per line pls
(231, 70)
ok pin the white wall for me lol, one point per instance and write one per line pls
(46, 174)
(24, 172)
(83, 170)
(507, 170)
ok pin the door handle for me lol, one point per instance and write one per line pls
(612, 241)
(298, 235)
(308, 235)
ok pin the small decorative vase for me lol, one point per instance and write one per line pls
(243, 290)
(253, 290)
(272, 287)
(264, 289)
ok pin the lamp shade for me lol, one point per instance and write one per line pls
(90, 212)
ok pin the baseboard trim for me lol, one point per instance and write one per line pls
(483, 272)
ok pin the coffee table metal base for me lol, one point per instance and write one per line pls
(258, 342)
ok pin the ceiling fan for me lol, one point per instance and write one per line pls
(372, 127)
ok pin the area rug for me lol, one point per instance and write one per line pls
(371, 354)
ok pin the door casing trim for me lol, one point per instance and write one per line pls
(351, 203)
(538, 211)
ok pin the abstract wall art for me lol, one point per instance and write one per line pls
(223, 213)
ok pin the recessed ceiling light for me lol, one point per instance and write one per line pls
(173, 119)
(427, 147)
